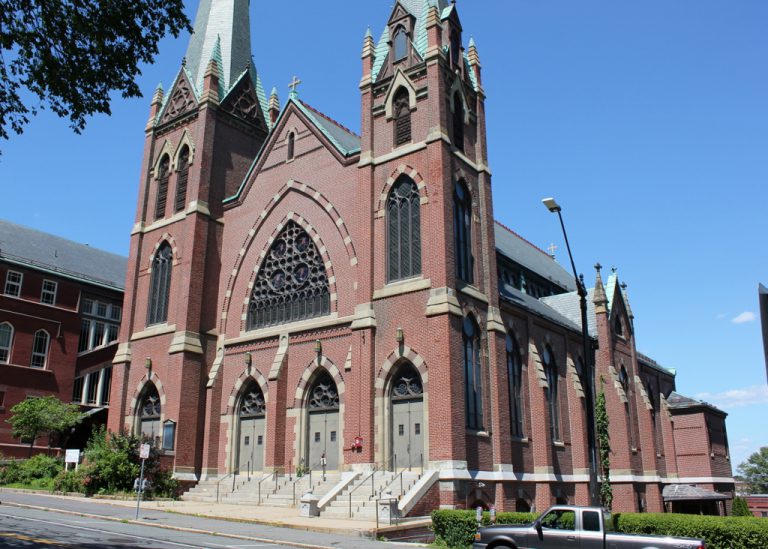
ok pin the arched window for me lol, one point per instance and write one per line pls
(149, 416)
(401, 44)
(624, 380)
(403, 230)
(462, 232)
(160, 285)
(473, 379)
(458, 121)
(515, 376)
(253, 403)
(181, 180)
(162, 186)
(550, 370)
(618, 327)
(6, 339)
(292, 283)
(40, 345)
(401, 111)
(324, 394)
(455, 49)
(291, 145)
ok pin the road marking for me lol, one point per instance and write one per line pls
(22, 537)
(99, 531)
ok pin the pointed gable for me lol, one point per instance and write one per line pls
(246, 100)
(179, 101)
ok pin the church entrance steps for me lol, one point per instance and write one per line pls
(205, 490)
(358, 501)
(285, 491)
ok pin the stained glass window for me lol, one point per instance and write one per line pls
(462, 232)
(403, 230)
(160, 285)
(162, 186)
(473, 384)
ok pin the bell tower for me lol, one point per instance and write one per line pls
(200, 139)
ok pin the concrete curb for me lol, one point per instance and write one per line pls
(171, 527)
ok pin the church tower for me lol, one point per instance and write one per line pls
(423, 142)
(200, 139)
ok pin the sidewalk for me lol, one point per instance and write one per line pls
(255, 523)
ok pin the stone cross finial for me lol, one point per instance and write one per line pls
(293, 85)
(552, 249)
(598, 267)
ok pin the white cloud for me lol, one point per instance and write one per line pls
(746, 316)
(737, 398)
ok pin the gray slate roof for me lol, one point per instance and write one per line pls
(568, 305)
(345, 140)
(515, 247)
(683, 492)
(516, 297)
(677, 401)
(39, 250)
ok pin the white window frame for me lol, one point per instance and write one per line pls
(39, 354)
(9, 284)
(48, 295)
(105, 314)
(7, 349)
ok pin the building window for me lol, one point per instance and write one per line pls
(292, 283)
(181, 180)
(77, 390)
(40, 349)
(291, 145)
(48, 295)
(401, 44)
(13, 283)
(92, 381)
(515, 375)
(458, 121)
(455, 49)
(6, 339)
(550, 370)
(403, 230)
(160, 285)
(149, 416)
(618, 327)
(401, 111)
(169, 435)
(100, 324)
(462, 232)
(162, 186)
(106, 384)
(473, 392)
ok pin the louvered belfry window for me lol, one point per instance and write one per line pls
(292, 283)
(401, 109)
(458, 122)
(162, 186)
(462, 232)
(160, 285)
(181, 180)
(403, 230)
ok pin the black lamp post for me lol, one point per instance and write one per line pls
(594, 496)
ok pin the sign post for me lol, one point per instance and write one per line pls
(72, 456)
(139, 484)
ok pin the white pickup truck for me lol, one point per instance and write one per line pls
(569, 527)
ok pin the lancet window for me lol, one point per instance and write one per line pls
(324, 394)
(403, 230)
(160, 285)
(149, 416)
(473, 380)
(401, 110)
(401, 44)
(550, 370)
(292, 283)
(462, 232)
(515, 376)
(458, 121)
(162, 186)
(181, 180)
(253, 403)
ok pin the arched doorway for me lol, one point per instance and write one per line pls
(407, 432)
(323, 423)
(250, 455)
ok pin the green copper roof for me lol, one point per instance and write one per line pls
(346, 141)
(228, 23)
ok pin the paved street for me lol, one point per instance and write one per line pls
(32, 520)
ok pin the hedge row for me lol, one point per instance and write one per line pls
(456, 529)
(718, 532)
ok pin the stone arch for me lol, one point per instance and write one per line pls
(165, 237)
(138, 392)
(415, 176)
(168, 149)
(258, 225)
(395, 358)
(237, 387)
(313, 369)
(322, 249)
(185, 140)
(400, 81)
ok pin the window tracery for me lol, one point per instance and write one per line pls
(160, 285)
(404, 230)
(292, 283)
(253, 404)
(324, 394)
(407, 384)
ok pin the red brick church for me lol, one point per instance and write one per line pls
(298, 294)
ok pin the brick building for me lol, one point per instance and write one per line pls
(60, 312)
(298, 294)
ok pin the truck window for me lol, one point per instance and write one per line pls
(608, 521)
(560, 519)
(590, 521)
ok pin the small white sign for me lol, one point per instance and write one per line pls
(144, 451)
(72, 456)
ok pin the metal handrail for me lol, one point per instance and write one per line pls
(299, 479)
(262, 480)
(233, 473)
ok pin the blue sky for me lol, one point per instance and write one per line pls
(648, 121)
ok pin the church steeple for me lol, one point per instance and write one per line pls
(226, 23)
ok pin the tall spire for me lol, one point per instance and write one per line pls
(226, 22)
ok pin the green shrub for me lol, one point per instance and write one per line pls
(70, 481)
(40, 466)
(718, 532)
(457, 528)
(740, 508)
(10, 472)
(164, 485)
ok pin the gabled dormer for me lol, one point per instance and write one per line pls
(401, 28)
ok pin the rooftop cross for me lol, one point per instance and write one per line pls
(552, 249)
(293, 85)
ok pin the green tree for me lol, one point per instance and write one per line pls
(46, 415)
(740, 508)
(604, 446)
(70, 55)
(754, 471)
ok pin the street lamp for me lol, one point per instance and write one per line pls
(594, 496)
